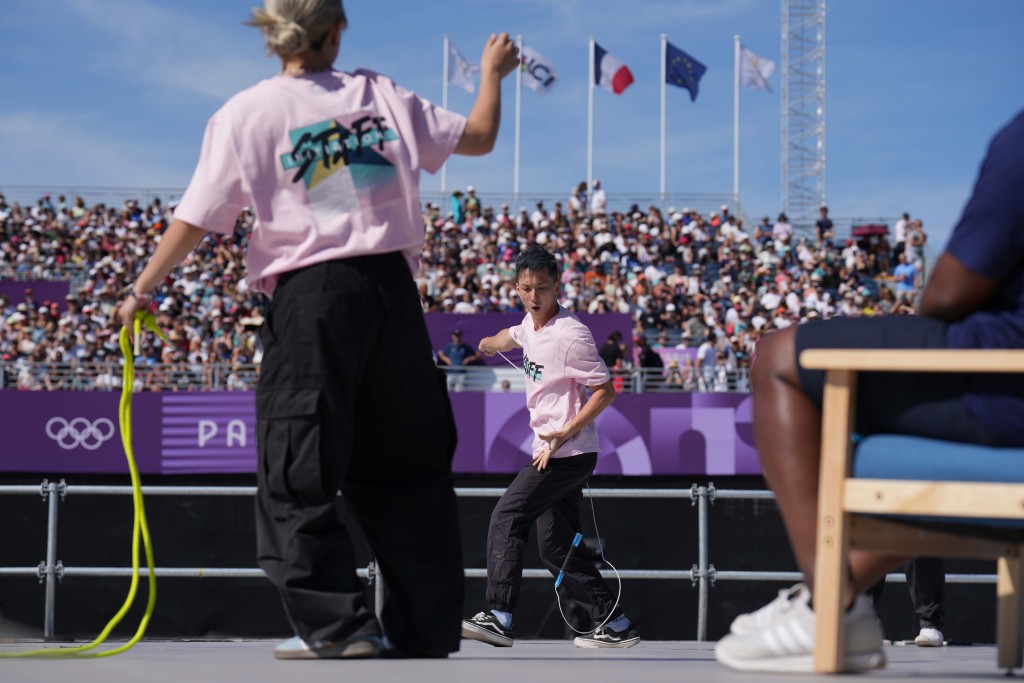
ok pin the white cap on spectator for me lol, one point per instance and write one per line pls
(470, 188)
(725, 207)
(643, 228)
(670, 307)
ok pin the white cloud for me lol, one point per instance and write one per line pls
(158, 47)
(63, 149)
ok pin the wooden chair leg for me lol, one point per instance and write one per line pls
(830, 569)
(832, 538)
(1009, 631)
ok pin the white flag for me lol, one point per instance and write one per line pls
(538, 73)
(755, 71)
(460, 70)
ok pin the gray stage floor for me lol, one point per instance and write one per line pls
(533, 660)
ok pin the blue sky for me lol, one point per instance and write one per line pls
(117, 92)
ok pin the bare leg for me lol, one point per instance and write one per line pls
(787, 433)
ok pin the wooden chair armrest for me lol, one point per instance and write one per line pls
(914, 360)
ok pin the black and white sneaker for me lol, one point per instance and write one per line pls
(486, 628)
(605, 637)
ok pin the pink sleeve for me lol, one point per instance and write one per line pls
(517, 334)
(437, 130)
(214, 196)
(583, 364)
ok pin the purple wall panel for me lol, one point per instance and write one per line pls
(42, 290)
(479, 325)
(641, 434)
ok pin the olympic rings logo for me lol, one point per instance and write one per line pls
(79, 432)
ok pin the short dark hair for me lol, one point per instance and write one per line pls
(537, 259)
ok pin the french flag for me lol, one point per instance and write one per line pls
(610, 71)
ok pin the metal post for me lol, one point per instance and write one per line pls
(702, 562)
(49, 491)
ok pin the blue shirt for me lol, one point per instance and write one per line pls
(457, 353)
(989, 240)
(905, 274)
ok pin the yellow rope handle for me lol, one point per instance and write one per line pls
(142, 320)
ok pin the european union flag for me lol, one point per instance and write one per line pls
(682, 70)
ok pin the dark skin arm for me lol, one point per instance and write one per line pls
(954, 291)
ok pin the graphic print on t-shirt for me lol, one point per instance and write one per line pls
(533, 370)
(342, 167)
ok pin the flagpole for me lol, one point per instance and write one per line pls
(664, 76)
(736, 127)
(444, 105)
(590, 125)
(519, 94)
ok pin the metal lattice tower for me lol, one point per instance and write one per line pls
(803, 111)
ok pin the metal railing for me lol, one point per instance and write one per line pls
(702, 574)
(106, 376)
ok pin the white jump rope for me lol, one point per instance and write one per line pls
(572, 548)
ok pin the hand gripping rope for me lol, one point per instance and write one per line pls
(572, 548)
(139, 525)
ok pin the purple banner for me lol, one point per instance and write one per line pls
(476, 326)
(188, 433)
(18, 291)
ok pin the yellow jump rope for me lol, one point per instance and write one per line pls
(139, 527)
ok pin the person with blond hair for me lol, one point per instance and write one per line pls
(348, 396)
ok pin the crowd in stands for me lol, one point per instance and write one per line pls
(205, 308)
(689, 281)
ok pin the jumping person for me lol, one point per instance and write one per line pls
(560, 361)
(348, 395)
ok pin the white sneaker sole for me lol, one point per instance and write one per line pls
(799, 663)
(928, 642)
(583, 642)
(356, 649)
(474, 632)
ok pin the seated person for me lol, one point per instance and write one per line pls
(974, 299)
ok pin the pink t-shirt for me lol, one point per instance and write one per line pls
(329, 162)
(560, 360)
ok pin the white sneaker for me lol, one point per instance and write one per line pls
(353, 648)
(786, 644)
(929, 637)
(752, 622)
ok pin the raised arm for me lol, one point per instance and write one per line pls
(499, 58)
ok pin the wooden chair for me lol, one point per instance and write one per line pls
(873, 501)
